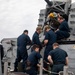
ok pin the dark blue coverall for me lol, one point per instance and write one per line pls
(34, 57)
(35, 40)
(59, 59)
(63, 31)
(51, 37)
(2, 51)
(1, 55)
(22, 42)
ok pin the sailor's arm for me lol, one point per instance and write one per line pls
(45, 42)
(46, 38)
(66, 61)
(50, 59)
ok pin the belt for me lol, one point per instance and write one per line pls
(56, 63)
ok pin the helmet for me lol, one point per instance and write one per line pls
(51, 15)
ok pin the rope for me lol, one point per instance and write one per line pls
(29, 47)
(50, 71)
(69, 72)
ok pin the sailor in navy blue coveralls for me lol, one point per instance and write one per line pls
(50, 38)
(58, 58)
(22, 41)
(2, 51)
(34, 58)
(63, 31)
(35, 38)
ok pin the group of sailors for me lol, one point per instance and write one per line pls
(53, 55)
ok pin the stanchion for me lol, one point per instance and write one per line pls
(41, 67)
(65, 70)
(6, 68)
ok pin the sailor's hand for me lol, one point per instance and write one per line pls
(43, 45)
(48, 63)
(57, 30)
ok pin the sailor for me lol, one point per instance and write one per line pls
(53, 22)
(1, 55)
(63, 30)
(22, 41)
(35, 38)
(58, 58)
(50, 38)
(33, 61)
(1, 51)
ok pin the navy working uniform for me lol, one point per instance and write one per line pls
(59, 59)
(22, 42)
(63, 31)
(34, 57)
(35, 39)
(2, 51)
(51, 37)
